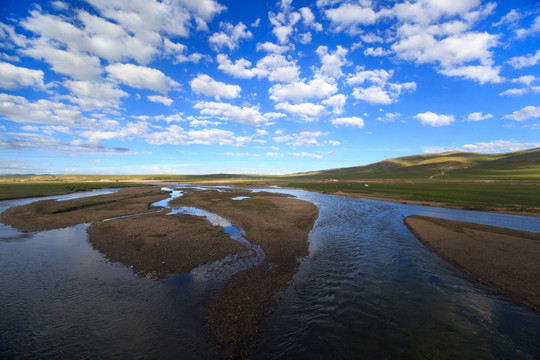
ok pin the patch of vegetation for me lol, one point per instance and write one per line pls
(14, 190)
(473, 195)
(80, 205)
(261, 206)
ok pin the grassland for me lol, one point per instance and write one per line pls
(17, 189)
(506, 181)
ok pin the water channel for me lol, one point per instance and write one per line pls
(368, 289)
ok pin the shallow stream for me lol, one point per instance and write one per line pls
(368, 289)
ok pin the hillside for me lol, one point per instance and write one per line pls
(523, 164)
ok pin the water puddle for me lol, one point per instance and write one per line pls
(238, 198)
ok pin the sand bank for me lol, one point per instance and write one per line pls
(279, 225)
(504, 259)
(52, 214)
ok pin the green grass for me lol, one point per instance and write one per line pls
(31, 189)
(473, 195)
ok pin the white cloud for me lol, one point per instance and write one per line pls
(230, 36)
(173, 135)
(211, 137)
(13, 77)
(141, 77)
(337, 102)
(94, 95)
(500, 146)
(20, 110)
(279, 68)
(309, 19)
(519, 62)
(525, 79)
(283, 23)
(305, 154)
(514, 92)
(332, 62)
(244, 115)
(381, 91)
(480, 73)
(304, 138)
(160, 99)
(273, 48)
(373, 95)
(76, 65)
(307, 111)
(204, 84)
(478, 116)
(528, 112)
(350, 16)
(240, 68)
(298, 91)
(378, 51)
(432, 119)
(532, 30)
(348, 121)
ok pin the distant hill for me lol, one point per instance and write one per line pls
(523, 164)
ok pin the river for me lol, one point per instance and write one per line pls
(368, 289)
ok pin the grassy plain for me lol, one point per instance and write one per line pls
(17, 189)
(506, 181)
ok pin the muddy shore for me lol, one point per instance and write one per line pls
(504, 259)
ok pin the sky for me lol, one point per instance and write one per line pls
(262, 87)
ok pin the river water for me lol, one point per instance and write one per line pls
(368, 289)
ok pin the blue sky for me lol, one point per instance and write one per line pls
(201, 86)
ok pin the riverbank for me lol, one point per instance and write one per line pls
(503, 259)
(502, 210)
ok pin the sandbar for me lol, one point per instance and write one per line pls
(504, 259)
(277, 223)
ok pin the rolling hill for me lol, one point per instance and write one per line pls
(523, 165)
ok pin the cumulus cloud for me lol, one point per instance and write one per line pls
(20, 110)
(204, 84)
(432, 119)
(332, 62)
(241, 68)
(298, 91)
(306, 111)
(348, 121)
(13, 77)
(337, 102)
(141, 77)
(478, 116)
(349, 17)
(528, 112)
(94, 95)
(230, 36)
(160, 99)
(244, 115)
(519, 62)
(279, 69)
(381, 91)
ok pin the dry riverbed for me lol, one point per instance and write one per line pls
(158, 244)
(507, 260)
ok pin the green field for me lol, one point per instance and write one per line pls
(469, 180)
(14, 190)
(517, 196)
